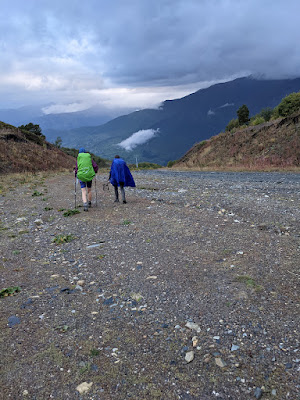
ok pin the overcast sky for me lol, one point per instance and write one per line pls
(137, 53)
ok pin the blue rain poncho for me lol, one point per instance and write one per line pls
(120, 173)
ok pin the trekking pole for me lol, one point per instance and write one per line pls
(75, 191)
(96, 189)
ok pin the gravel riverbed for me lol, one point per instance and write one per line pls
(189, 291)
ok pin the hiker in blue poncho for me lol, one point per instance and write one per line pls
(120, 175)
(85, 170)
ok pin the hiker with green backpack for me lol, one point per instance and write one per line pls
(85, 170)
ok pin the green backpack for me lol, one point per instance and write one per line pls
(85, 171)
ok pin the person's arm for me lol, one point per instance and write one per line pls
(95, 166)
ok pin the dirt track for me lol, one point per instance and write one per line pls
(188, 291)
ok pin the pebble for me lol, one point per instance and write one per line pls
(189, 356)
(258, 393)
(194, 326)
(234, 347)
(13, 320)
(220, 363)
(84, 387)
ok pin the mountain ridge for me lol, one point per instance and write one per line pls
(181, 123)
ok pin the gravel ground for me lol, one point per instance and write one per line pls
(188, 291)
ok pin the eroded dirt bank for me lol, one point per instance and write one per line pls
(188, 291)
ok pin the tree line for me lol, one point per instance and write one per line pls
(288, 106)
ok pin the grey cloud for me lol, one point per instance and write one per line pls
(70, 47)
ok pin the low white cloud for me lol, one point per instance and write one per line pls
(64, 108)
(210, 112)
(138, 138)
(227, 105)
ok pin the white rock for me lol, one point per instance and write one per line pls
(84, 387)
(194, 326)
(189, 356)
(220, 363)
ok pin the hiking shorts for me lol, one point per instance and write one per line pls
(85, 184)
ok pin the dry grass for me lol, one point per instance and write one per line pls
(272, 146)
(18, 154)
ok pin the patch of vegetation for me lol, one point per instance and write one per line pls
(289, 104)
(22, 232)
(69, 212)
(243, 115)
(62, 328)
(144, 165)
(10, 291)
(3, 228)
(257, 121)
(36, 194)
(101, 256)
(126, 222)
(95, 352)
(60, 239)
(248, 281)
(16, 252)
(48, 208)
(85, 369)
(171, 163)
(61, 209)
(232, 124)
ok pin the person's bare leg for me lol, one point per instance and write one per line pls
(89, 195)
(84, 199)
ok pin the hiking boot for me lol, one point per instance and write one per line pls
(116, 201)
(90, 204)
(124, 201)
(85, 207)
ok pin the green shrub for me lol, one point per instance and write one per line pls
(257, 121)
(289, 104)
(266, 113)
(60, 239)
(36, 193)
(243, 115)
(10, 291)
(234, 123)
(171, 163)
(69, 212)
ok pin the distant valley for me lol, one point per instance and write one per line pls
(167, 133)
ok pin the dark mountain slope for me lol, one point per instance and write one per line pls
(182, 122)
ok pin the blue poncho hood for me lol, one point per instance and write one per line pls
(119, 172)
